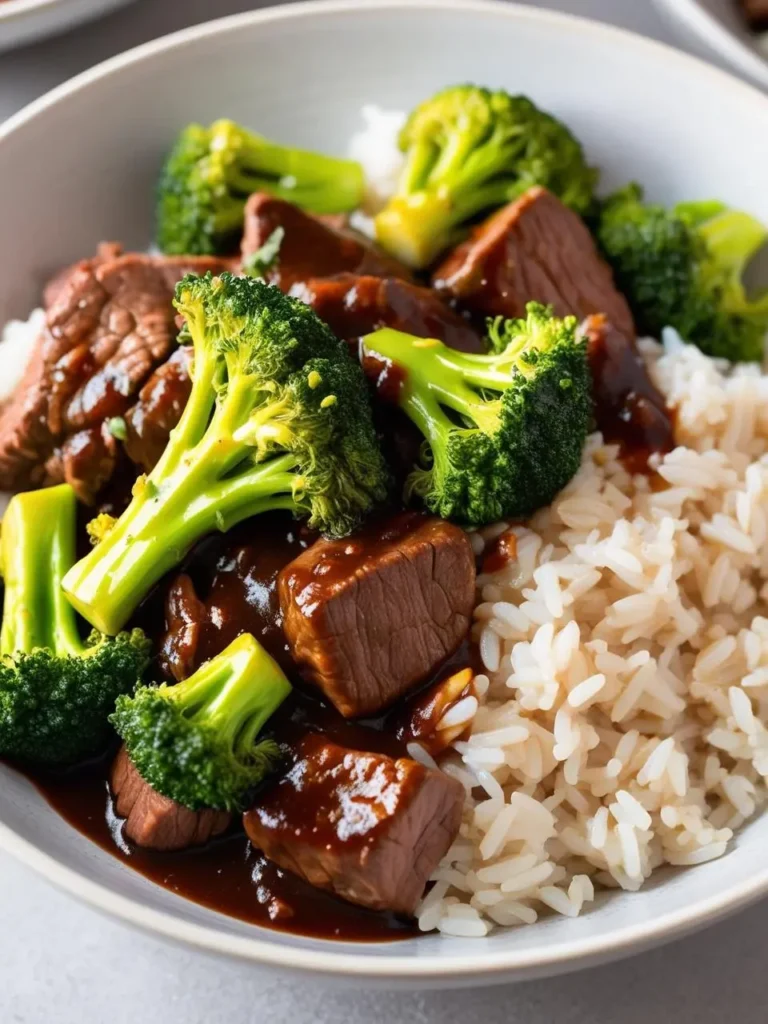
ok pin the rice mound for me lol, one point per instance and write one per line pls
(621, 723)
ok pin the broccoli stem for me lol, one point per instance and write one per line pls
(37, 549)
(320, 184)
(436, 379)
(193, 490)
(164, 521)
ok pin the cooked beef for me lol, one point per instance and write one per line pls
(364, 826)
(236, 580)
(629, 408)
(152, 820)
(369, 617)
(86, 460)
(353, 305)
(110, 324)
(757, 13)
(533, 249)
(158, 409)
(311, 247)
(185, 618)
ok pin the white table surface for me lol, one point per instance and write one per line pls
(61, 963)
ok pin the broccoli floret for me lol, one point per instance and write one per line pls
(197, 742)
(210, 172)
(278, 418)
(503, 432)
(469, 150)
(683, 268)
(56, 690)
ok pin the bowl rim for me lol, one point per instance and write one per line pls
(495, 966)
(691, 14)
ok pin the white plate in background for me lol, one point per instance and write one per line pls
(22, 21)
(717, 28)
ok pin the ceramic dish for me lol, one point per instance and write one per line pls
(301, 73)
(717, 28)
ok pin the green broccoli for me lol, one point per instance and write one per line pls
(278, 418)
(56, 690)
(210, 172)
(503, 432)
(469, 150)
(197, 742)
(683, 268)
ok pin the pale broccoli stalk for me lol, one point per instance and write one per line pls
(278, 418)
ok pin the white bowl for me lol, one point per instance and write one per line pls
(78, 166)
(716, 28)
(21, 21)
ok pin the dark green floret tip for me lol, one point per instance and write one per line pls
(683, 267)
(199, 742)
(469, 150)
(503, 432)
(210, 172)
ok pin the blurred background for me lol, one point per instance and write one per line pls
(61, 963)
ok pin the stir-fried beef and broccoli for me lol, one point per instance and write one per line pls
(247, 471)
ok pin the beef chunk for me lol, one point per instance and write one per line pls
(153, 821)
(364, 826)
(369, 617)
(86, 460)
(757, 13)
(185, 619)
(158, 409)
(533, 249)
(629, 408)
(311, 247)
(353, 305)
(110, 324)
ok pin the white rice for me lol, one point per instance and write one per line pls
(375, 147)
(622, 725)
(16, 344)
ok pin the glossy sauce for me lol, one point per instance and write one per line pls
(235, 580)
(227, 875)
(354, 305)
(158, 409)
(629, 409)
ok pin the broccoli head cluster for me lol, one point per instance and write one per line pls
(683, 267)
(468, 150)
(278, 418)
(503, 432)
(56, 690)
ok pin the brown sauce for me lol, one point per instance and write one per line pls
(228, 875)
(419, 719)
(500, 552)
(354, 305)
(629, 409)
(235, 577)
(387, 377)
